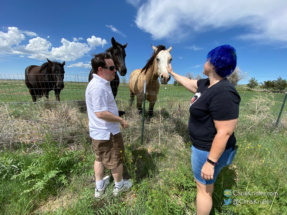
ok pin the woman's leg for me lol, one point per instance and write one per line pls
(204, 198)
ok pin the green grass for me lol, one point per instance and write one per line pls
(55, 174)
(16, 91)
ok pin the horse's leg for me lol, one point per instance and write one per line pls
(139, 104)
(132, 95)
(57, 94)
(47, 94)
(152, 102)
(32, 93)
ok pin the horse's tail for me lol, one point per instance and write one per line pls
(91, 75)
(28, 84)
(26, 75)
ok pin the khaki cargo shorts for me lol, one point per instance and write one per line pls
(110, 152)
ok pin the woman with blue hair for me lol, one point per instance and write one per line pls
(214, 111)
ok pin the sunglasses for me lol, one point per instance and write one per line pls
(111, 68)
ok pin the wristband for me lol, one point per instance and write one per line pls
(211, 162)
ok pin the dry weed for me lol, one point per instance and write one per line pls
(259, 109)
(60, 121)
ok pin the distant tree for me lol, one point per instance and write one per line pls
(198, 77)
(280, 84)
(124, 81)
(189, 75)
(252, 83)
(267, 85)
(236, 76)
(176, 83)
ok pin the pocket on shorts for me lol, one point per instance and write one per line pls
(102, 145)
(231, 155)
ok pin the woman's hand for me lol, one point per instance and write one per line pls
(207, 171)
(169, 68)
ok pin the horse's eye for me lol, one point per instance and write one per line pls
(157, 59)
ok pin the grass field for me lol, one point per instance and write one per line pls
(46, 159)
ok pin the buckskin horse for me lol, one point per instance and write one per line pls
(40, 80)
(154, 69)
(118, 55)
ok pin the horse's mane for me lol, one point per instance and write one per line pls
(46, 66)
(150, 61)
(110, 49)
(43, 67)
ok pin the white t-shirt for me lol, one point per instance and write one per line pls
(99, 97)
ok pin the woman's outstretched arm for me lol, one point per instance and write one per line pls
(189, 84)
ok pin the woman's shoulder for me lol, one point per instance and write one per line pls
(203, 82)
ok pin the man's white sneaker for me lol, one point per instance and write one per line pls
(126, 187)
(100, 192)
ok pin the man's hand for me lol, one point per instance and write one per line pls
(124, 123)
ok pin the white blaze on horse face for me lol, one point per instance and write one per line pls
(163, 59)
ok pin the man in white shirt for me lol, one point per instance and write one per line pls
(104, 129)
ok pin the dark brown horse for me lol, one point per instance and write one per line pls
(118, 55)
(40, 80)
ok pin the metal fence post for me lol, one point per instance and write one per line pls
(143, 110)
(281, 109)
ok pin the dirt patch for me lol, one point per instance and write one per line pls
(54, 203)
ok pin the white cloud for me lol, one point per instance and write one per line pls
(264, 19)
(180, 57)
(11, 38)
(96, 41)
(193, 47)
(69, 50)
(38, 44)
(116, 30)
(196, 66)
(80, 38)
(30, 33)
(81, 64)
(40, 48)
(134, 3)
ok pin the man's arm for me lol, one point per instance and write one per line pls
(108, 116)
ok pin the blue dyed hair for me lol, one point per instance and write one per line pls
(223, 58)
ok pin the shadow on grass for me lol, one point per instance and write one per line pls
(225, 180)
(145, 164)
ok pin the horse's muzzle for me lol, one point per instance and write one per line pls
(164, 80)
(123, 71)
(60, 86)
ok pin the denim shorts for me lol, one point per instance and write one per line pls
(199, 157)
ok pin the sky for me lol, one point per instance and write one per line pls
(72, 31)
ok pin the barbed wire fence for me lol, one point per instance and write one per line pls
(23, 121)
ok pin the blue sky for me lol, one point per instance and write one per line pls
(71, 31)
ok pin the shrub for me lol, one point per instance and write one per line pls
(252, 83)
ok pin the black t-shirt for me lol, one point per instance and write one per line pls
(219, 102)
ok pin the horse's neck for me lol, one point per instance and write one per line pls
(111, 54)
(151, 74)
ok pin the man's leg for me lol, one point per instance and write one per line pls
(204, 198)
(118, 173)
(99, 170)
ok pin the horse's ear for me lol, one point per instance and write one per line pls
(170, 48)
(114, 42)
(154, 48)
(124, 46)
(50, 62)
(63, 64)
